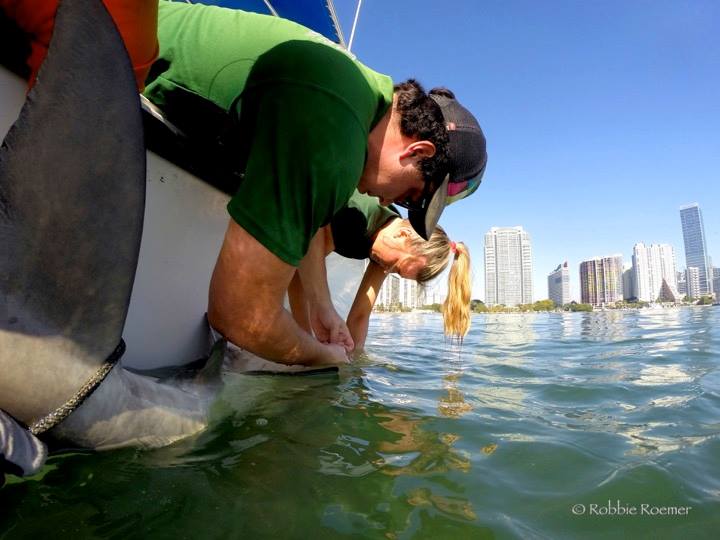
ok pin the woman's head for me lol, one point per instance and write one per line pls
(398, 248)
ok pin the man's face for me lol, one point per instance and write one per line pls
(392, 168)
(392, 173)
(391, 188)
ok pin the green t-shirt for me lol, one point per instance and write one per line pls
(355, 225)
(300, 110)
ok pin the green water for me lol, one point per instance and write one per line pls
(536, 415)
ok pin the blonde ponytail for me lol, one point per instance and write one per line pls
(437, 252)
(456, 308)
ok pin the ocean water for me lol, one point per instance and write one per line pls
(572, 425)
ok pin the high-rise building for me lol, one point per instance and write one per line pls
(508, 266)
(692, 277)
(601, 280)
(716, 282)
(695, 248)
(682, 283)
(399, 293)
(409, 293)
(422, 295)
(559, 285)
(629, 282)
(653, 264)
(389, 294)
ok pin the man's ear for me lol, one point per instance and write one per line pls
(423, 149)
(419, 150)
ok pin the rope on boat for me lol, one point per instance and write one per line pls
(352, 32)
(53, 418)
(271, 8)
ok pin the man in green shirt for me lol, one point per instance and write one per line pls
(305, 124)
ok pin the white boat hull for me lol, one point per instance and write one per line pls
(185, 222)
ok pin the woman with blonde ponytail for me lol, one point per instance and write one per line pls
(365, 229)
(456, 308)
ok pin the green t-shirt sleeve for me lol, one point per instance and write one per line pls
(304, 158)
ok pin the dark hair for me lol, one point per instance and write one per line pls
(421, 117)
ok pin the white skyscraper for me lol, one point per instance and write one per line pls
(409, 293)
(693, 282)
(508, 266)
(559, 285)
(399, 293)
(389, 294)
(653, 264)
(682, 283)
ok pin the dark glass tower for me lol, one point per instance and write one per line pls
(695, 248)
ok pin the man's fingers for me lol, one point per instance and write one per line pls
(320, 332)
(338, 353)
(335, 336)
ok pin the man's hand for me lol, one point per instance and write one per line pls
(334, 355)
(246, 306)
(330, 328)
(326, 323)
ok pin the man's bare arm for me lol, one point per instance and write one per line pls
(298, 303)
(327, 324)
(246, 304)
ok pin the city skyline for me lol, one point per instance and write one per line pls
(601, 118)
(658, 262)
(677, 256)
(575, 292)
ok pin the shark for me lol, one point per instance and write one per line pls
(72, 199)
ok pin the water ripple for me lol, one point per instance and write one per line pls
(499, 437)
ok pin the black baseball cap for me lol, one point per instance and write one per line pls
(468, 158)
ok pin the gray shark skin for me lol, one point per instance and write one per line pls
(72, 195)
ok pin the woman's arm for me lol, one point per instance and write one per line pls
(359, 316)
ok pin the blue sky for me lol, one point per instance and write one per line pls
(602, 117)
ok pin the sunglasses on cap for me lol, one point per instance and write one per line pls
(425, 212)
